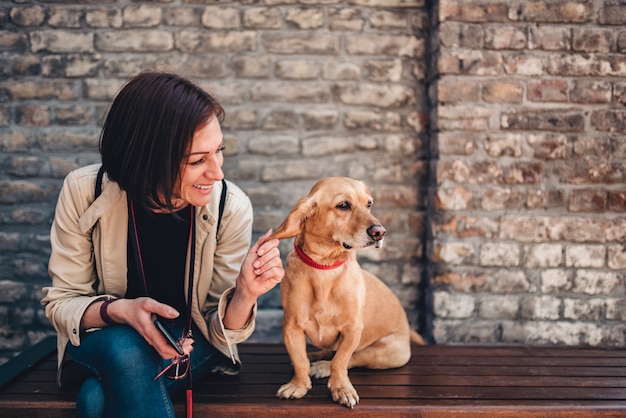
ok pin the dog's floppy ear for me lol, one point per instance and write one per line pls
(292, 225)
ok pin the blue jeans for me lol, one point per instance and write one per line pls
(122, 364)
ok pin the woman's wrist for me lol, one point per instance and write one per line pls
(104, 312)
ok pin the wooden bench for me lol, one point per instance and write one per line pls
(467, 381)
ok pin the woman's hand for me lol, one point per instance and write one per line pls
(262, 269)
(140, 314)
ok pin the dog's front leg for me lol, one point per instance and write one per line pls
(300, 383)
(339, 384)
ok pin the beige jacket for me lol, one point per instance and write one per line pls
(88, 258)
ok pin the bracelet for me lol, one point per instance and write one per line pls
(104, 314)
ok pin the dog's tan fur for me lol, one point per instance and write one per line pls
(346, 311)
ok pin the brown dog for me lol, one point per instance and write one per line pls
(328, 298)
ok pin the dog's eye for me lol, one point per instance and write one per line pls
(344, 205)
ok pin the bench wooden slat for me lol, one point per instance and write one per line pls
(439, 381)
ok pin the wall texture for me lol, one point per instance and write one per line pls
(530, 198)
(491, 134)
(311, 88)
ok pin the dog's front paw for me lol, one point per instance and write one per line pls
(293, 390)
(344, 393)
(320, 369)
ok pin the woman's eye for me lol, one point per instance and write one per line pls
(197, 162)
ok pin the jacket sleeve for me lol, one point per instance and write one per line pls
(234, 240)
(71, 265)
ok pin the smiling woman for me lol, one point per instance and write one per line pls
(159, 188)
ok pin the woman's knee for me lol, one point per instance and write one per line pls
(90, 399)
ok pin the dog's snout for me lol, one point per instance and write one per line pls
(376, 232)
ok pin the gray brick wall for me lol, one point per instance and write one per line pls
(311, 89)
(529, 225)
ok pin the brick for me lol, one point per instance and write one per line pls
(500, 145)
(65, 17)
(388, 20)
(457, 198)
(384, 70)
(33, 115)
(592, 172)
(581, 65)
(465, 331)
(563, 120)
(27, 64)
(61, 41)
(262, 18)
(10, 41)
(345, 19)
(611, 120)
(385, 96)
(274, 145)
(524, 173)
(305, 18)
(616, 201)
(591, 91)
(105, 18)
(542, 256)
(598, 283)
(464, 117)
(457, 143)
(499, 255)
(280, 119)
(364, 120)
(547, 91)
(616, 309)
(341, 71)
(320, 119)
(252, 66)
(499, 307)
(135, 40)
(297, 69)
(598, 146)
(540, 307)
(278, 43)
(583, 310)
(72, 115)
(454, 253)
(587, 200)
(461, 35)
(141, 16)
(28, 16)
(470, 12)
(502, 199)
(386, 3)
(391, 45)
(545, 12)
(292, 93)
(556, 281)
(83, 140)
(215, 17)
(457, 90)
(585, 256)
(469, 62)
(25, 166)
(542, 199)
(453, 305)
(505, 37)
(616, 257)
(22, 191)
(550, 38)
(621, 42)
(14, 140)
(592, 40)
(613, 12)
(522, 64)
(548, 146)
(502, 91)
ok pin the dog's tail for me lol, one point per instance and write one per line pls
(416, 338)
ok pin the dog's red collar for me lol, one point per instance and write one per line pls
(309, 261)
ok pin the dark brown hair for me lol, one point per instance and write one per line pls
(147, 132)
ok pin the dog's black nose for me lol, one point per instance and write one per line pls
(377, 232)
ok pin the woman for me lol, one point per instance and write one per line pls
(126, 250)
